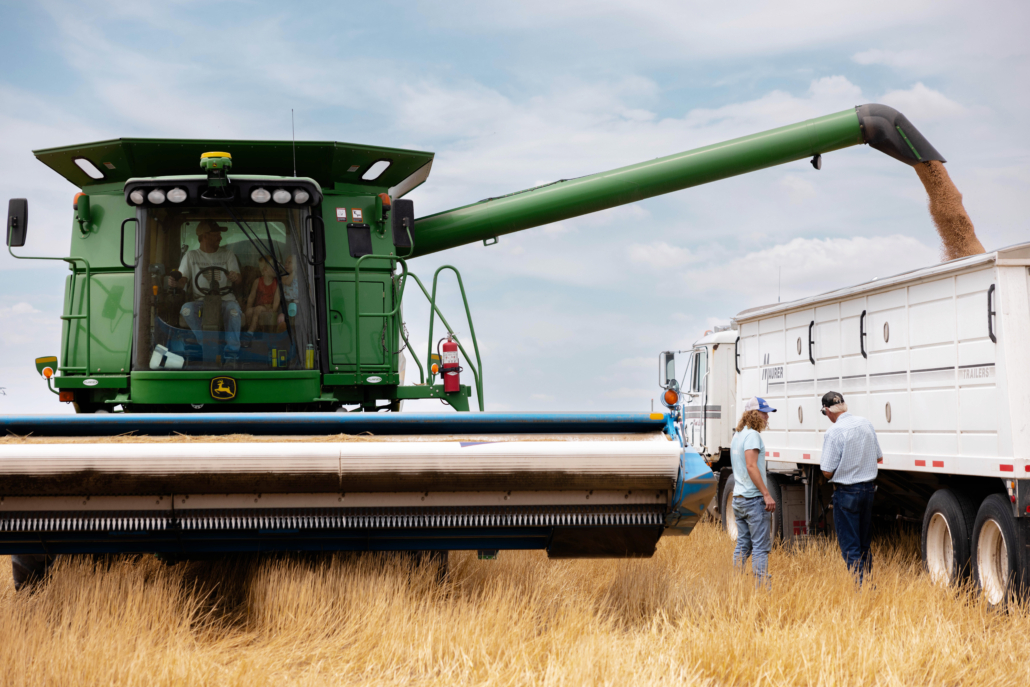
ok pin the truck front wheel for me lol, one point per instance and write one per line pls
(947, 534)
(729, 520)
(995, 553)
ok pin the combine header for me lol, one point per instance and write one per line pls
(246, 300)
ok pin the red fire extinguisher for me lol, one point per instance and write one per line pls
(450, 369)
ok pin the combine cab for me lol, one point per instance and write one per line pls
(246, 288)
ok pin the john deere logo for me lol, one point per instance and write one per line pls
(223, 388)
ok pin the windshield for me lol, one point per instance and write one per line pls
(224, 289)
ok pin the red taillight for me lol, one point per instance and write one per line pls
(67, 396)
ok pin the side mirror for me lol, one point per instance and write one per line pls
(402, 219)
(666, 369)
(17, 221)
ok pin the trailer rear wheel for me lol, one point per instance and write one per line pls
(947, 535)
(995, 556)
(729, 520)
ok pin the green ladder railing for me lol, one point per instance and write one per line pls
(433, 312)
(68, 317)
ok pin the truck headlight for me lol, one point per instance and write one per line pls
(137, 197)
(157, 196)
(260, 195)
(177, 195)
(301, 196)
(281, 196)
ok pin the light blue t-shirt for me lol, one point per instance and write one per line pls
(742, 441)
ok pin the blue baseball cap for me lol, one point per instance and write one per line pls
(759, 404)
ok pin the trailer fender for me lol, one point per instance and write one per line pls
(695, 487)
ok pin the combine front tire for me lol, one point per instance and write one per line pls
(996, 559)
(947, 534)
(729, 520)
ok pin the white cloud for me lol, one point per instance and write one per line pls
(798, 189)
(811, 266)
(22, 308)
(899, 59)
(660, 255)
(923, 104)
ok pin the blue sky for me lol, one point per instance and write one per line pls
(572, 315)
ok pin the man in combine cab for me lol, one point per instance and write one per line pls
(850, 454)
(206, 271)
(752, 502)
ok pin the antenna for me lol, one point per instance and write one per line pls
(293, 128)
(779, 270)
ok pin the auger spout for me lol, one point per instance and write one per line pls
(882, 127)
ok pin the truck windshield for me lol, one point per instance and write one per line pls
(222, 289)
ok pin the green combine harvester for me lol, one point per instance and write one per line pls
(213, 291)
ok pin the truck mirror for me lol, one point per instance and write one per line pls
(667, 368)
(402, 218)
(17, 221)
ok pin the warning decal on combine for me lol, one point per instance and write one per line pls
(341, 214)
(356, 214)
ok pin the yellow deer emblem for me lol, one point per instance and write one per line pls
(223, 388)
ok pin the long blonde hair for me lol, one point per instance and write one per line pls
(752, 419)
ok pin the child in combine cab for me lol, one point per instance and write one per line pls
(264, 295)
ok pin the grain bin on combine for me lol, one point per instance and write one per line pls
(161, 325)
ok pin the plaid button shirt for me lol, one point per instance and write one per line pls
(850, 450)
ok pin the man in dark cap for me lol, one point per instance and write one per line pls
(849, 460)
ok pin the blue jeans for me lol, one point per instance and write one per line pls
(754, 535)
(231, 318)
(853, 520)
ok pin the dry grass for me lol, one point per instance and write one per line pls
(683, 617)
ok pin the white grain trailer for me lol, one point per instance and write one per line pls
(938, 359)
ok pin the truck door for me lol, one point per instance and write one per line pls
(694, 409)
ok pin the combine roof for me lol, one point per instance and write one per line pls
(327, 162)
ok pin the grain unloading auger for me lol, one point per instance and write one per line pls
(161, 323)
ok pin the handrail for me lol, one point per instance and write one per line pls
(736, 354)
(991, 313)
(434, 310)
(861, 334)
(811, 342)
(468, 314)
(71, 299)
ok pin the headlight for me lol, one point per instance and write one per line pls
(157, 196)
(281, 196)
(260, 195)
(177, 195)
(301, 196)
(137, 197)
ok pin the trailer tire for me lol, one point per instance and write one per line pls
(729, 520)
(995, 552)
(947, 536)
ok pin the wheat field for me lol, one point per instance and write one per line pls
(683, 617)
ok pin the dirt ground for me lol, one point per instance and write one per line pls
(683, 617)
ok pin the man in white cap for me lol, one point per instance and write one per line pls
(849, 460)
(209, 270)
(752, 502)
